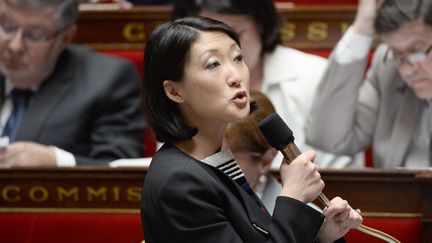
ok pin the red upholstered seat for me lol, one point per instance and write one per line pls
(404, 229)
(70, 228)
(322, 53)
(120, 228)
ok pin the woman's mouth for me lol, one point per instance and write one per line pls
(240, 99)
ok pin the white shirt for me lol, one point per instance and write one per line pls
(291, 78)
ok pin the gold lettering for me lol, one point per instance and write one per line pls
(344, 26)
(38, 194)
(11, 198)
(134, 194)
(288, 31)
(317, 31)
(99, 193)
(62, 193)
(116, 192)
(134, 32)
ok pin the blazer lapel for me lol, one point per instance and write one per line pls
(259, 219)
(406, 121)
(44, 101)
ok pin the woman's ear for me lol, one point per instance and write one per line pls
(172, 92)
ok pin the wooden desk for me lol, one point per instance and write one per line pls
(379, 193)
(303, 27)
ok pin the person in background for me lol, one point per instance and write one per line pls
(390, 109)
(196, 84)
(61, 104)
(287, 76)
(253, 152)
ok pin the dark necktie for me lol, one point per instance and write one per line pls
(232, 169)
(20, 100)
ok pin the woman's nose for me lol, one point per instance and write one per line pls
(234, 76)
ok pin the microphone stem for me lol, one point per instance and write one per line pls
(290, 152)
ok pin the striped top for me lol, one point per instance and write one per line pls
(225, 162)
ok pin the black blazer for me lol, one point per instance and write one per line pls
(185, 200)
(89, 106)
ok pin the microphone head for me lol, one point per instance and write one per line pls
(276, 131)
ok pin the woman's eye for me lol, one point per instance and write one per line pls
(212, 65)
(239, 58)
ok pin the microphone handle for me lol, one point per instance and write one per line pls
(290, 152)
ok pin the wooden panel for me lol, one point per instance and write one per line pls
(376, 190)
(425, 180)
(379, 193)
(303, 27)
(70, 188)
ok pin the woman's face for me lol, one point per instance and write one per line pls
(215, 83)
(248, 31)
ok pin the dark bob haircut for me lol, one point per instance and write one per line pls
(165, 55)
(263, 12)
(393, 14)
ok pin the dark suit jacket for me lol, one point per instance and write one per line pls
(89, 106)
(185, 200)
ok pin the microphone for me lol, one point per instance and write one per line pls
(280, 136)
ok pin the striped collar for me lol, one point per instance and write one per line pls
(225, 162)
(219, 158)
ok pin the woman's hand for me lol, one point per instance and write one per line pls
(301, 179)
(340, 218)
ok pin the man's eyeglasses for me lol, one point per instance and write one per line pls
(9, 30)
(411, 58)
